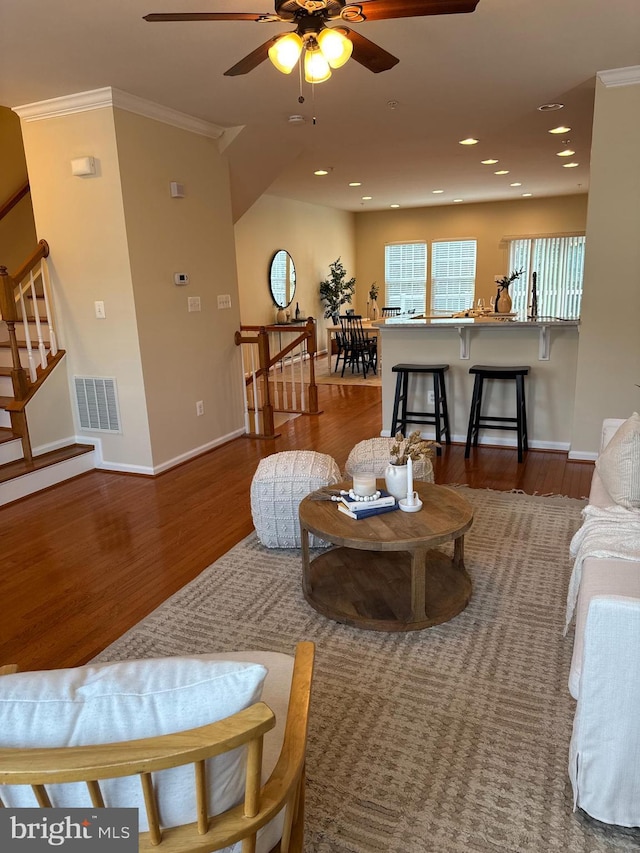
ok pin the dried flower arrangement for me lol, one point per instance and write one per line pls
(504, 281)
(414, 446)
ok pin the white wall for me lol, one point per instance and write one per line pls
(609, 354)
(312, 234)
(186, 356)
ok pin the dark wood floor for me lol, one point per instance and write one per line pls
(86, 560)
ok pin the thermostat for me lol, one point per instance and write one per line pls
(180, 278)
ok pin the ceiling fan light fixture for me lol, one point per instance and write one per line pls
(335, 46)
(316, 67)
(285, 52)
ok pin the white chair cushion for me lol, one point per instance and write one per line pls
(281, 481)
(619, 464)
(110, 702)
(372, 456)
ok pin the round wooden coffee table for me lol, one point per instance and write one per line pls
(386, 573)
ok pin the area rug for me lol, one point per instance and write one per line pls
(449, 740)
(325, 374)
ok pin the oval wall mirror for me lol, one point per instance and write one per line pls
(282, 278)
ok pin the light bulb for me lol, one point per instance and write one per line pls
(335, 46)
(285, 52)
(316, 67)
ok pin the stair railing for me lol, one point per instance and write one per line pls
(281, 383)
(15, 290)
(11, 202)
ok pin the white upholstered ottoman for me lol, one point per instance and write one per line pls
(281, 481)
(372, 456)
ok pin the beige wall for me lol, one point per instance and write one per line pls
(186, 357)
(313, 235)
(488, 223)
(83, 221)
(609, 355)
(17, 228)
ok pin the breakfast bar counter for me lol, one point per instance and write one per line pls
(549, 346)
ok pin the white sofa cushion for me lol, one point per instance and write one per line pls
(600, 576)
(605, 746)
(110, 702)
(619, 464)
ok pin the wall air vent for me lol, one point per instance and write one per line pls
(97, 403)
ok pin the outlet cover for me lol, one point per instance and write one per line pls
(431, 398)
(200, 408)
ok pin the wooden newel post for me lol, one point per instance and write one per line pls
(268, 427)
(312, 348)
(9, 315)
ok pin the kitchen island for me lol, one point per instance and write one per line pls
(548, 345)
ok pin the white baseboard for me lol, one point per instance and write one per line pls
(197, 451)
(496, 441)
(582, 456)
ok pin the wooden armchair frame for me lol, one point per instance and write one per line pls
(284, 788)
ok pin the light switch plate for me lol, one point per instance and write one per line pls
(193, 303)
(224, 301)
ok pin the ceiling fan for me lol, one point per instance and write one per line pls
(324, 47)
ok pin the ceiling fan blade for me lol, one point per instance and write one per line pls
(205, 16)
(369, 54)
(380, 10)
(251, 61)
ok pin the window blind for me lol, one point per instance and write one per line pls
(405, 275)
(453, 275)
(559, 264)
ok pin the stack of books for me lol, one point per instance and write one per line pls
(365, 509)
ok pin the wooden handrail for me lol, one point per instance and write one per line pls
(11, 202)
(42, 251)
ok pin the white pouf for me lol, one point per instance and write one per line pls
(372, 456)
(281, 481)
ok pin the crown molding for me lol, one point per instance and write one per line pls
(620, 76)
(98, 99)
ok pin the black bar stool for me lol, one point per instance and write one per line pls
(439, 417)
(478, 421)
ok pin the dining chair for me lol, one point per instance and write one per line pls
(362, 349)
(391, 312)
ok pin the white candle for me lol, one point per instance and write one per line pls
(410, 480)
(364, 484)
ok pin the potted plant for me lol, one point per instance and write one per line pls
(373, 297)
(503, 299)
(415, 447)
(335, 291)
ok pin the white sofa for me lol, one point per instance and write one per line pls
(604, 762)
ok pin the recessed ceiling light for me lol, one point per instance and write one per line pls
(321, 172)
(394, 205)
(490, 162)
(355, 184)
(570, 165)
(516, 184)
(548, 108)
(566, 153)
(435, 192)
(457, 200)
(367, 197)
(502, 172)
(561, 129)
(469, 141)
(527, 195)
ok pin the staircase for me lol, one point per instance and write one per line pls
(28, 356)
